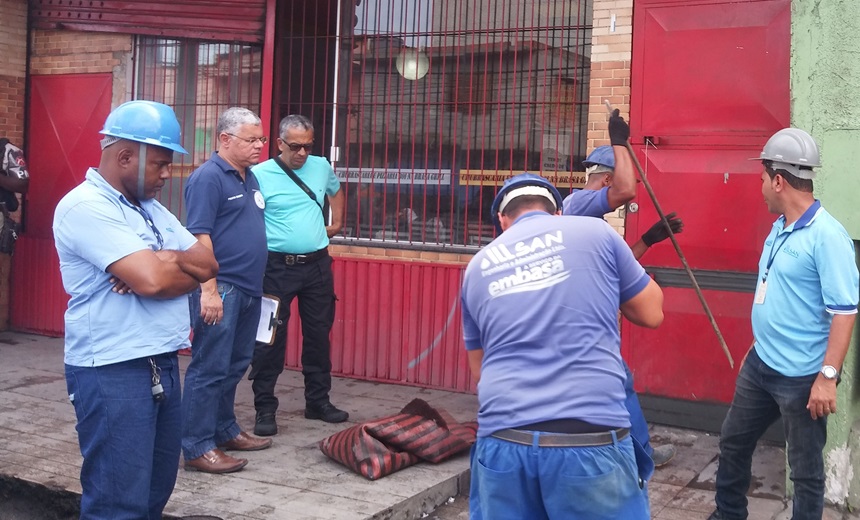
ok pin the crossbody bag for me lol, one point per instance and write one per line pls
(324, 207)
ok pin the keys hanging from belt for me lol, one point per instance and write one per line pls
(157, 389)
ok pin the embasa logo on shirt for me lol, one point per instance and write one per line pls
(533, 277)
(500, 253)
(790, 252)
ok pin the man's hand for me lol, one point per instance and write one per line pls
(619, 131)
(822, 397)
(211, 306)
(658, 232)
(119, 286)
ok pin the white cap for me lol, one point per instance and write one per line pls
(526, 190)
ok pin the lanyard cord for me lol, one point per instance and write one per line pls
(774, 250)
(149, 222)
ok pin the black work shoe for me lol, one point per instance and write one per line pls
(265, 425)
(326, 412)
(716, 515)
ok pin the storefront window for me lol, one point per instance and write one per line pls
(199, 80)
(442, 100)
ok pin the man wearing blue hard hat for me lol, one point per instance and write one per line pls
(540, 319)
(127, 264)
(610, 184)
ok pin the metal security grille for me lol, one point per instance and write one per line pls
(199, 80)
(439, 101)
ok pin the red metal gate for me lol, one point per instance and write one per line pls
(66, 114)
(710, 84)
(396, 322)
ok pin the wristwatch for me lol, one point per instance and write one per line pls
(829, 372)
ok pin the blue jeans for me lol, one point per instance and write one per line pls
(513, 481)
(638, 425)
(220, 355)
(761, 396)
(130, 442)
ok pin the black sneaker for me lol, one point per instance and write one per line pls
(326, 412)
(265, 425)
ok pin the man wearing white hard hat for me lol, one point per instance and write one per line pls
(803, 315)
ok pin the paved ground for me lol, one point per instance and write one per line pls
(39, 458)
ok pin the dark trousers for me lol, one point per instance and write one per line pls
(761, 396)
(313, 284)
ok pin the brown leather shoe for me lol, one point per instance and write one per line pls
(245, 442)
(215, 461)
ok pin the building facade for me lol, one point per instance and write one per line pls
(424, 108)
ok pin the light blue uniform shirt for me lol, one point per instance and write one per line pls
(587, 203)
(812, 276)
(94, 226)
(542, 301)
(294, 223)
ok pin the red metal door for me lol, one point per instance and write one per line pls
(66, 114)
(710, 84)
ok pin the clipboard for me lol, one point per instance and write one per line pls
(269, 321)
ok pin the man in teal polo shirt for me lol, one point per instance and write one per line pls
(803, 314)
(294, 186)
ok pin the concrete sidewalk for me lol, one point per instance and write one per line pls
(294, 480)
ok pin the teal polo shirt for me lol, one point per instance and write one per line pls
(812, 275)
(294, 222)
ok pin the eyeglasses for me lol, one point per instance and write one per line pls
(295, 147)
(250, 140)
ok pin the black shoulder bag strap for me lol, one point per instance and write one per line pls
(289, 171)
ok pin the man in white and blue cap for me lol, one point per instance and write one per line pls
(540, 318)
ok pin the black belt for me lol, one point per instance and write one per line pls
(562, 440)
(306, 258)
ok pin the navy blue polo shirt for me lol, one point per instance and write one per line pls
(230, 211)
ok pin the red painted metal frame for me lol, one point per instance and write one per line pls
(268, 70)
(66, 113)
(205, 20)
(710, 84)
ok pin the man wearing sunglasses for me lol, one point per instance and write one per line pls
(294, 187)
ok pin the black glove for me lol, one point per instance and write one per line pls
(658, 232)
(619, 132)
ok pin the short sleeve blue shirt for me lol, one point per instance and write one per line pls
(294, 223)
(94, 226)
(542, 301)
(230, 211)
(587, 203)
(812, 276)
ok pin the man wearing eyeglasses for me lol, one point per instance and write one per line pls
(225, 213)
(294, 187)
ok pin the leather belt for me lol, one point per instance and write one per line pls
(305, 258)
(561, 440)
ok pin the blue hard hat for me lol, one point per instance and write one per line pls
(602, 155)
(145, 122)
(519, 181)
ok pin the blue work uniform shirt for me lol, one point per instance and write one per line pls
(220, 204)
(812, 276)
(294, 222)
(94, 226)
(542, 301)
(587, 203)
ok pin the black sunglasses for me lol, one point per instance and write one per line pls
(295, 147)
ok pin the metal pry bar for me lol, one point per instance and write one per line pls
(677, 247)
